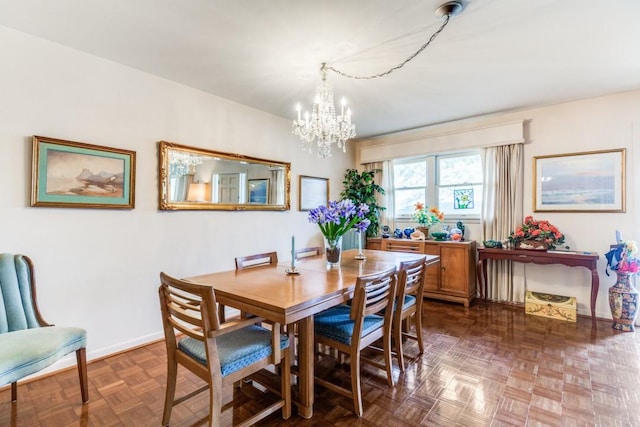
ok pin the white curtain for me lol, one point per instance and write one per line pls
(276, 196)
(502, 212)
(382, 177)
(179, 187)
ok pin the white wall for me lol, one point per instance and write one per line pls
(588, 125)
(98, 268)
(594, 124)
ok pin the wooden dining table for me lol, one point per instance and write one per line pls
(271, 293)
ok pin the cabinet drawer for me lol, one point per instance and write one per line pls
(412, 246)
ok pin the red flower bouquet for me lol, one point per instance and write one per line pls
(540, 231)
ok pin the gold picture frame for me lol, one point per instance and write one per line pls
(592, 181)
(68, 174)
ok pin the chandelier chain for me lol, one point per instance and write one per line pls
(400, 65)
(323, 125)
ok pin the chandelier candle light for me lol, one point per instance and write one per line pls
(327, 128)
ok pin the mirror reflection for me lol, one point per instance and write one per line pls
(196, 178)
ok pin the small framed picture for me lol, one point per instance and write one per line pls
(580, 182)
(314, 192)
(259, 191)
(78, 175)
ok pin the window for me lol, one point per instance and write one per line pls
(451, 182)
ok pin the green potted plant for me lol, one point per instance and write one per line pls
(361, 188)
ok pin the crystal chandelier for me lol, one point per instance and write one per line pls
(183, 163)
(327, 128)
(323, 124)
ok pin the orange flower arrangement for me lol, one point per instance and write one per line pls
(541, 231)
(427, 216)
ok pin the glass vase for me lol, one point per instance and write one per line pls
(333, 251)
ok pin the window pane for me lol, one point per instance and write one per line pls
(446, 200)
(405, 201)
(460, 169)
(410, 174)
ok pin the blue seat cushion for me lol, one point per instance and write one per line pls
(236, 349)
(336, 324)
(28, 351)
(409, 300)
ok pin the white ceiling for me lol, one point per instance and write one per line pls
(497, 55)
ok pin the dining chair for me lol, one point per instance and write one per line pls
(411, 281)
(312, 251)
(221, 354)
(250, 261)
(257, 260)
(349, 329)
(28, 343)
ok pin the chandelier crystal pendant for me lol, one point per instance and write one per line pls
(323, 125)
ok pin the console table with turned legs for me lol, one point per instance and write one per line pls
(588, 260)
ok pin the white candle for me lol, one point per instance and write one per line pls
(293, 251)
(618, 236)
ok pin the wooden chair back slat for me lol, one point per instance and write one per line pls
(303, 253)
(257, 260)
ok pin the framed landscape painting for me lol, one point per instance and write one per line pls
(75, 174)
(259, 191)
(580, 182)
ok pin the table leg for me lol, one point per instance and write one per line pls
(595, 286)
(481, 273)
(305, 361)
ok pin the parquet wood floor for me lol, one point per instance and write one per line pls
(489, 365)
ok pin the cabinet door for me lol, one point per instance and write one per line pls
(455, 270)
(432, 276)
(374, 244)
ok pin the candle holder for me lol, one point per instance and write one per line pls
(361, 256)
(291, 270)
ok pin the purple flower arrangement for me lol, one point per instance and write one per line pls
(339, 217)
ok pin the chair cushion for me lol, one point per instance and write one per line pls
(336, 324)
(28, 351)
(236, 349)
(409, 300)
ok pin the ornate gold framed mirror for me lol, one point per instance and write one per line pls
(193, 178)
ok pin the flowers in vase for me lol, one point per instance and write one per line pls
(339, 217)
(540, 231)
(622, 257)
(426, 216)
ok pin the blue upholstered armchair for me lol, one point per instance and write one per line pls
(28, 343)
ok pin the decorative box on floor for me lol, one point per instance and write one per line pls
(553, 306)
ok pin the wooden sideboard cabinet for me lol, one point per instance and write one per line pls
(453, 279)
